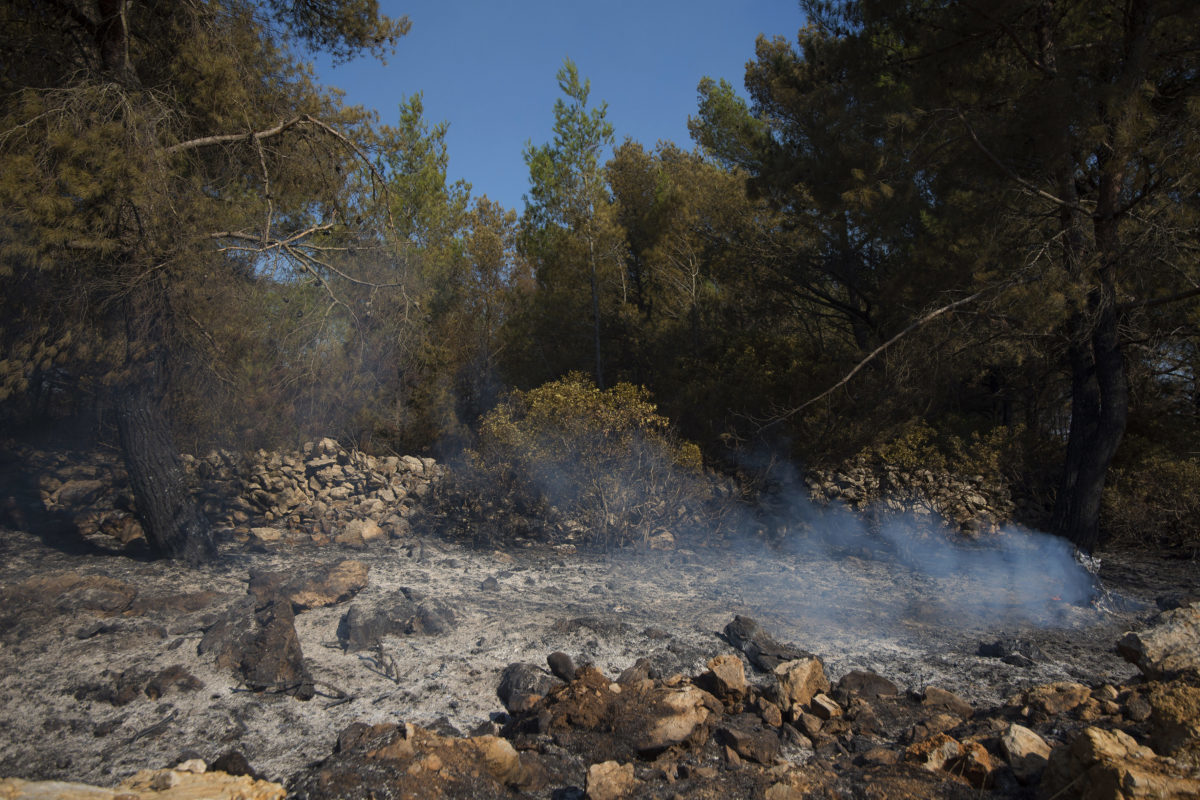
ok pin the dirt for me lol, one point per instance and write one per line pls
(102, 678)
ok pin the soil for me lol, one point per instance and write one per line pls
(89, 694)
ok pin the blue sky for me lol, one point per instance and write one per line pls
(488, 69)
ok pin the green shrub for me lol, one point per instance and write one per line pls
(604, 464)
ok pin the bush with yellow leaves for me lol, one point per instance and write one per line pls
(601, 466)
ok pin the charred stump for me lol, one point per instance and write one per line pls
(173, 522)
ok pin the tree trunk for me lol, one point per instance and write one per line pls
(1099, 411)
(174, 524)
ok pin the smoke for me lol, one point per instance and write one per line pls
(889, 568)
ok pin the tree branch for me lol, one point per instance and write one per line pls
(915, 325)
(1042, 193)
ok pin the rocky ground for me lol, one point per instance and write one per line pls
(391, 666)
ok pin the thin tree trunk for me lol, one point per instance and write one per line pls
(174, 524)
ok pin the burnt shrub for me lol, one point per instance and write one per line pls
(568, 461)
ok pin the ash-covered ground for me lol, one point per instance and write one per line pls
(79, 698)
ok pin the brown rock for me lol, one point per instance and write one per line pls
(1056, 698)
(1026, 752)
(725, 678)
(868, 685)
(947, 701)
(676, 716)
(975, 765)
(149, 785)
(1110, 765)
(1175, 719)
(365, 529)
(934, 753)
(801, 680)
(824, 707)
(1170, 647)
(329, 586)
(745, 735)
(610, 780)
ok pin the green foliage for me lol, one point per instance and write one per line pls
(606, 461)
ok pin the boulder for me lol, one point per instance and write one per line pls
(149, 785)
(801, 680)
(1110, 765)
(364, 626)
(1169, 647)
(325, 587)
(260, 645)
(674, 716)
(366, 530)
(522, 685)
(745, 735)
(610, 780)
(745, 634)
(934, 753)
(725, 678)
(1052, 699)
(867, 685)
(942, 700)
(1026, 752)
(1175, 719)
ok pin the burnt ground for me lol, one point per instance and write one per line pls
(103, 679)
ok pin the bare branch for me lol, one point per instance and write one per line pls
(226, 138)
(1028, 186)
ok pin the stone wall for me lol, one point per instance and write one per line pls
(972, 504)
(322, 492)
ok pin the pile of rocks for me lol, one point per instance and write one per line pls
(320, 493)
(783, 732)
(972, 504)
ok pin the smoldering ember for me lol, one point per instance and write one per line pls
(352, 640)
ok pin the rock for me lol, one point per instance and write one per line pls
(561, 666)
(801, 680)
(1026, 752)
(1175, 720)
(1056, 698)
(1110, 765)
(522, 685)
(365, 530)
(675, 716)
(745, 735)
(941, 699)
(1169, 647)
(975, 765)
(934, 753)
(362, 626)
(149, 785)
(610, 780)
(763, 651)
(1018, 652)
(867, 685)
(267, 535)
(824, 707)
(79, 492)
(261, 646)
(325, 587)
(725, 678)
